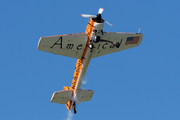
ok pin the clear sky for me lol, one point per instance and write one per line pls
(141, 83)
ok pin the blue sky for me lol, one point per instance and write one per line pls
(141, 83)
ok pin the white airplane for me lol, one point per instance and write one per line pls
(85, 46)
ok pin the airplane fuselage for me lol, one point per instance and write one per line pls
(93, 30)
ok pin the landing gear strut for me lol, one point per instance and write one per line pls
(74, 106)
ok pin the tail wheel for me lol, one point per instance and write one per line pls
(75, 111)
(74, 105)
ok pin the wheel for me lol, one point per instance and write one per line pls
(75, 111)
(97, 39)
(74, 105)
(91, 46)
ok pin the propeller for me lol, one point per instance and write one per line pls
(92, 16)
(109, 24)
(100, 10)
(97, 17)
(88, 16)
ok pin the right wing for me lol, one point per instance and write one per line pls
(70, 45)
(107, 45)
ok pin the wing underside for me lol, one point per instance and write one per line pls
(73, 45)
(70, 45)
(106, 45)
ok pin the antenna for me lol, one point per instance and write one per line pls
(139, 30)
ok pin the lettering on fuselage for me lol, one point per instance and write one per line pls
(105, 45)
(76, 73)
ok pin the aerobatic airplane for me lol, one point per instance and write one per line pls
(94, 42)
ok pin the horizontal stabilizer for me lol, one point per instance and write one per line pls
(84, 95)
(61, 97)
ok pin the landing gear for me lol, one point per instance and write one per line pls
(96, 39)
(75, 111)
(74, 108)
(91, 46)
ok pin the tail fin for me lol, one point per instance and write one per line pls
(65, 96)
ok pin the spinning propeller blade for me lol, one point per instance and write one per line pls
(92, 16)
(88, 16)
(97, 17)
(109, 24)
(100, 10)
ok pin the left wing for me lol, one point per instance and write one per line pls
(70, 45)
(107, 42)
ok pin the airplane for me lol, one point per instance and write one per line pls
(92, 43)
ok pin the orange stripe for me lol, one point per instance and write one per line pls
(76, 73)
(79, 62)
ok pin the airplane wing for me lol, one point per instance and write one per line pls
(70, 45)
(106, 44)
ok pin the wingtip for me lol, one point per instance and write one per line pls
(39, 43)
